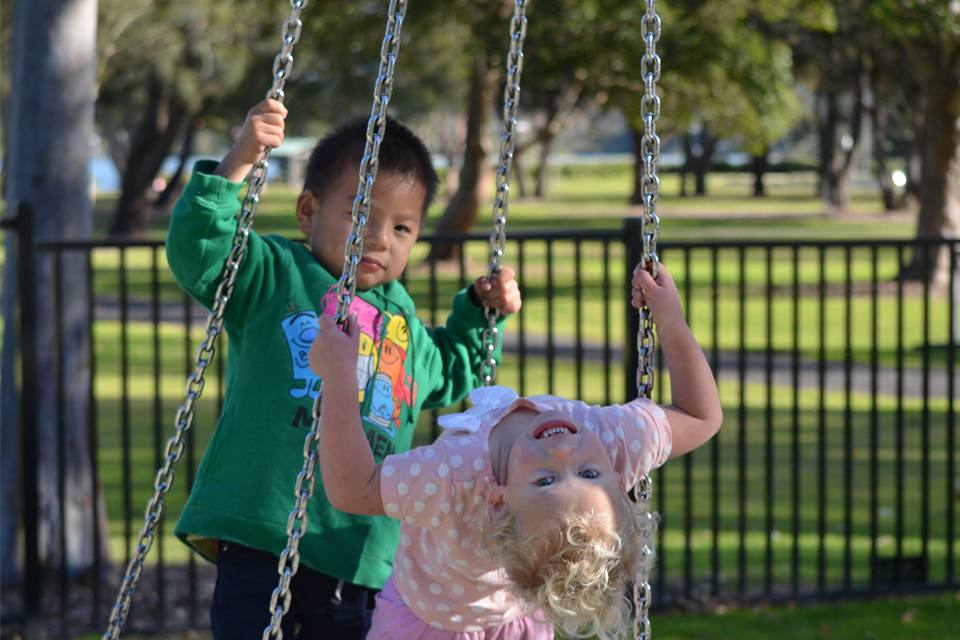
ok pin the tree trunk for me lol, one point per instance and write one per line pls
(543, 170)
(636, 135)
(163, 120)
(701, 163)
(518, 175)
(462, 211)
(759, 165)
(878, 121)
(172, 191)
(51, 121)
(450, 130)
(939, 171)
(915, 152)
(685, 168)
(851, 156)
(827, 119)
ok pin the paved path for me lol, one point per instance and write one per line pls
(755, 372)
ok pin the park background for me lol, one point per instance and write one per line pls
(784, 124)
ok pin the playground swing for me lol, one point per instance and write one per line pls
(346, 288)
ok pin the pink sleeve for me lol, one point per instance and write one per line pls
(417, 487)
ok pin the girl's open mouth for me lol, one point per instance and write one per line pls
(552, 428)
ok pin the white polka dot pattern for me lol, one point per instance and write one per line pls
(437, 491)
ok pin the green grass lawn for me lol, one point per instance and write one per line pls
(932, 617)
(905, 618)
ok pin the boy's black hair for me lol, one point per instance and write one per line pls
(402, 153)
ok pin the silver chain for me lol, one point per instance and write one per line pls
(346, 288)
(184, 419)
(642, 593)
(511, 100)
(650, 231)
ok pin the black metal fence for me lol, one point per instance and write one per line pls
(834, 473)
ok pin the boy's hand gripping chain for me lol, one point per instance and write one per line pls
(650, 231)
(346, 288)
(511, 99)
(281, 71)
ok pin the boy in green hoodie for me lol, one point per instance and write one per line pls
(238, 508)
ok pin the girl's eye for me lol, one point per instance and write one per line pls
(402, 228)
(589, 473)
(544, 482)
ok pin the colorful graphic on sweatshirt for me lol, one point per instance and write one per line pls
(300, 329)
(381, 366)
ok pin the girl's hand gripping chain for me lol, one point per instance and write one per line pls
(351, 476)
(660, 295)
(695, 414)
(335, 352)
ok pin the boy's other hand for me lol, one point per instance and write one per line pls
(500, 292)
(334, 353)
(262, 129)
(660, 295)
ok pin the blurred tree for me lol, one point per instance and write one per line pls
(569, 65)
(929, 32)
(484, 44)
(158, 63)
(833, 59)
(722, 75)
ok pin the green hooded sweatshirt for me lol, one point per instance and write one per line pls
(244, 491)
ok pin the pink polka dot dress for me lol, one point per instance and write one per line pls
(437, 491)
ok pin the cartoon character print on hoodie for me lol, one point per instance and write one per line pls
(383, 384)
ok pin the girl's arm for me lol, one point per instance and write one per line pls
(695, 414)
(351, 477)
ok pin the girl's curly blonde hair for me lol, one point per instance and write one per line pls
(575, 569)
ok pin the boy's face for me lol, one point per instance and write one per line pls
(392, 227)
(558, 464)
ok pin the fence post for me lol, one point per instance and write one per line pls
(26, 283)
(955, 292)
(633, 244)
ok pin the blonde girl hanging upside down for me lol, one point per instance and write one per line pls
(517, 520)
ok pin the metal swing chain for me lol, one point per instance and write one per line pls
(646, 341)
(511, 100)
(346, 288)
(195, 382)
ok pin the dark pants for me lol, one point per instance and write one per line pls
(246, 579)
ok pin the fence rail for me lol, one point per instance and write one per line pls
(834, 473)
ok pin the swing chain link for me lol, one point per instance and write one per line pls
(511, 101)
(646, 341)
(346, 289)
(650, 185)
(207, 349)
(642, 593)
